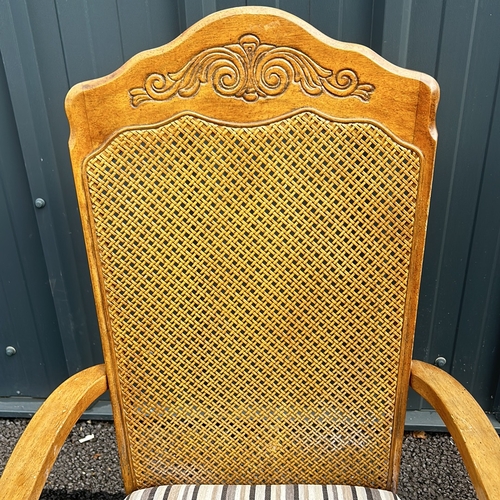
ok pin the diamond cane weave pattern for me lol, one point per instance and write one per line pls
(256, 282)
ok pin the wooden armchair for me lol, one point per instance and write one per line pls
(254, 198)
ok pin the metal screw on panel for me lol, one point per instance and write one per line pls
(39, 203)
(440, 361)
(10, 351)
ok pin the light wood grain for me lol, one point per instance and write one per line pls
(35, 453)
(475, 437)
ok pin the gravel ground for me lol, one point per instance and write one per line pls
(431, 467)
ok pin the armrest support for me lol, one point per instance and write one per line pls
(37, 449)
(475, 437)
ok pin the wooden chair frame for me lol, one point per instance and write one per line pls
(96, 115)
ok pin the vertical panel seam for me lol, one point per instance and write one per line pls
(148, 17)
(340, 20)
(440, 39)
(91, 39)
(120, 29)
(56, 10)
(452, 177)
(404, 33)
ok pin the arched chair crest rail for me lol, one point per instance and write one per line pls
(254, 199)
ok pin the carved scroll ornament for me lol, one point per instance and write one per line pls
(249, 70)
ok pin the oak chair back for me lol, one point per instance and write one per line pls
(254, 198)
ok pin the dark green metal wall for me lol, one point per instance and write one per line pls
(46, 309)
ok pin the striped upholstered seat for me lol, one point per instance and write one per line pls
(261, 492)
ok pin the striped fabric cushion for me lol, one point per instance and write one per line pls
(261, 492)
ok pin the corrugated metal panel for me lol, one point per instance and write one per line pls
(49, 46)
(39, 116)
(27, 317)
(467, 59)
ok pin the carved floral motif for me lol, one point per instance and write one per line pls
(249, 70)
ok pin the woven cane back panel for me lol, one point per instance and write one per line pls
(256, 281)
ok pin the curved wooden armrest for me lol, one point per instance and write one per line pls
(475, 437)
(35, 453)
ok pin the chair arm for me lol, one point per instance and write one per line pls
(37, 449)
(475, 437)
